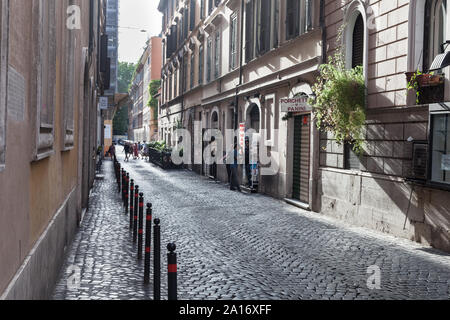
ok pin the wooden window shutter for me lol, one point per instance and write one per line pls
(249, 31)
(264, 26)
(292, 18)
(358, 43)
(192, 18)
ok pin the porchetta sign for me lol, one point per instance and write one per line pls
(295, 105)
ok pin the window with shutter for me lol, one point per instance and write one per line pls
(192, 18)
(276, 23)
(217, 48)
(47, 75)
(435, 31)
(200, 65)
(292, 19)
(209, 60)
(186, 24)
(233, 41)
(170, 87)
(191, 77)
(69, 81)
(309, 15)
(202, 9)
(185, 73)
(358, 43)
(249, 31)
(264, 23)
(210, 6)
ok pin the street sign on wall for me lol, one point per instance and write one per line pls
(295, 105)
(108, 131)
(103, 102)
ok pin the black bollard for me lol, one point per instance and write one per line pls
(131, 201)
(172, 272)
(122, 185)
(116, 167)
(127, 192)
(157, 261)
(148, 239)
(118, 176)
(135, 213)
(140, 225)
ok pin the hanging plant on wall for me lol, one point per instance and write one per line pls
(339, 106)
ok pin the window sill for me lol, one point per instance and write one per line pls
(429, 184)
(283, 44)
(43, 155)
(67, 149)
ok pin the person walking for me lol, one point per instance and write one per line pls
(234, 170)
(127, 150)
(112, 151)
(248, 171)
(228, 166)
(135, 151)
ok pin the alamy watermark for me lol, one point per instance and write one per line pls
(210, 148)
(74, 278)
(374, 280)
(73, 21)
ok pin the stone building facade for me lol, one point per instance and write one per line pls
(48, 144)
(144, 121)
(229, 64)
(226, 66)
(401, 183)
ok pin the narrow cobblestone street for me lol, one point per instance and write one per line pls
(238, 246)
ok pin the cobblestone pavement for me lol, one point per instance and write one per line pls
(238, 246)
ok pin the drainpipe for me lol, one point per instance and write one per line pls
(241, 55)
(314, 193)
(324, 31)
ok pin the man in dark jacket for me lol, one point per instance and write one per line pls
(234, 170)
(127, 150)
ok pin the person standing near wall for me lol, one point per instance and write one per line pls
(234, 170)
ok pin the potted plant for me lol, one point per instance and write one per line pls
(340, 103)
(427, 86)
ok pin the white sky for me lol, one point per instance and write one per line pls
(140, 14)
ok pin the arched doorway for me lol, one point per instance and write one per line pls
(251, 147)
(215, 120)
(253, 117)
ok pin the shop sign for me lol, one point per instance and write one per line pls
(295, 105)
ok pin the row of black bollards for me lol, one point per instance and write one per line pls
(133, 201)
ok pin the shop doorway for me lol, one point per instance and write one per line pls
(301, 159)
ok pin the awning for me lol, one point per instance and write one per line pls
(441, 61)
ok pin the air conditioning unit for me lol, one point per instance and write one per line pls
(420, 161)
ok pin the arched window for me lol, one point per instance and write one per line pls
(356, 50)
(435, 31)
(358, 42)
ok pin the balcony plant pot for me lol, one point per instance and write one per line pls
(428, 87)
(425, 79)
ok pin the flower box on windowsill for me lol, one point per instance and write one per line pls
(429, 86)
(426, 80)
